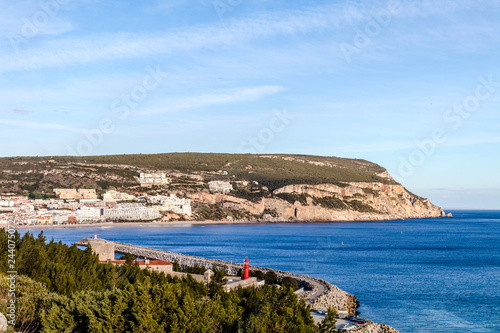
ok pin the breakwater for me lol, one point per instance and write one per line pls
(318, 293)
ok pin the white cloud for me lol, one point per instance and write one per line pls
(219, 97)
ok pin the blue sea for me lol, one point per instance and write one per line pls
(421, 275)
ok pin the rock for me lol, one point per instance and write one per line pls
(377, 328)
(333, 297)
(387, 202)
(449, 215)
(3, 323)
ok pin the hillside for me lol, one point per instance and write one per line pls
(265, 187)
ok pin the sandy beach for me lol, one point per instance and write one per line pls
(132, 224)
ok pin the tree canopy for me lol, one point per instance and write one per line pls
(61, 288)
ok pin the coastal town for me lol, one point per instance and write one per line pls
(99, 194)
(77, 206)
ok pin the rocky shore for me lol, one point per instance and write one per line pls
(320, 294)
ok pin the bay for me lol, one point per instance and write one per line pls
(421, 275)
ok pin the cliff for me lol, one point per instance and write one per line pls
(264, 187)
(327, 202)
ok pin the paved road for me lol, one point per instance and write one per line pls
(321, 290)
(318, 318)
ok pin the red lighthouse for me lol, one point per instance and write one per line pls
(246, 268)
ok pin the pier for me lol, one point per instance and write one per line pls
(321, 294)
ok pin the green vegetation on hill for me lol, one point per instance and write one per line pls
(272, 171)
(293, 197)
(65, 289)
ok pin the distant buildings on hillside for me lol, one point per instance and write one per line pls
(113, 195)
(150, 179)
(220, 186)
(13, 201)
(21, 210)
(84, 206)
(75, 194)
(172, 203)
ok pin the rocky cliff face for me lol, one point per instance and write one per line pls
(355, 201)
(362, 201)
(265, 187)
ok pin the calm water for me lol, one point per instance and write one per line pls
(430, 275)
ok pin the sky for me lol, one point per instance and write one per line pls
(411, 85)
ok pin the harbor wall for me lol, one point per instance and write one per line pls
(321, 294)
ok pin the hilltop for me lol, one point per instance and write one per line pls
(264, 187)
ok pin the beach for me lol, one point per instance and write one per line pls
(131, 224)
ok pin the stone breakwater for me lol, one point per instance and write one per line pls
(320, 294)
(376, 328)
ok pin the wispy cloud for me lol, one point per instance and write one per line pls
(16, 17)
(21, 111)
(128, 46)
(220, 97)
(43, 126)
(105, 47)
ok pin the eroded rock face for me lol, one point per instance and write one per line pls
(389, 202)
(374, 201)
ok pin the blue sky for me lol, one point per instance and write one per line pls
(411, 85)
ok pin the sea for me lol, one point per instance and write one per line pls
(419, 275)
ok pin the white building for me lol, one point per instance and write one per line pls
(113, 195)
(6, 203)
(91, 202)
(88, 214)
(172, 203)
(220, 186)
(130, 213)
(13, 201)
(150, 179)
(60, 217)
